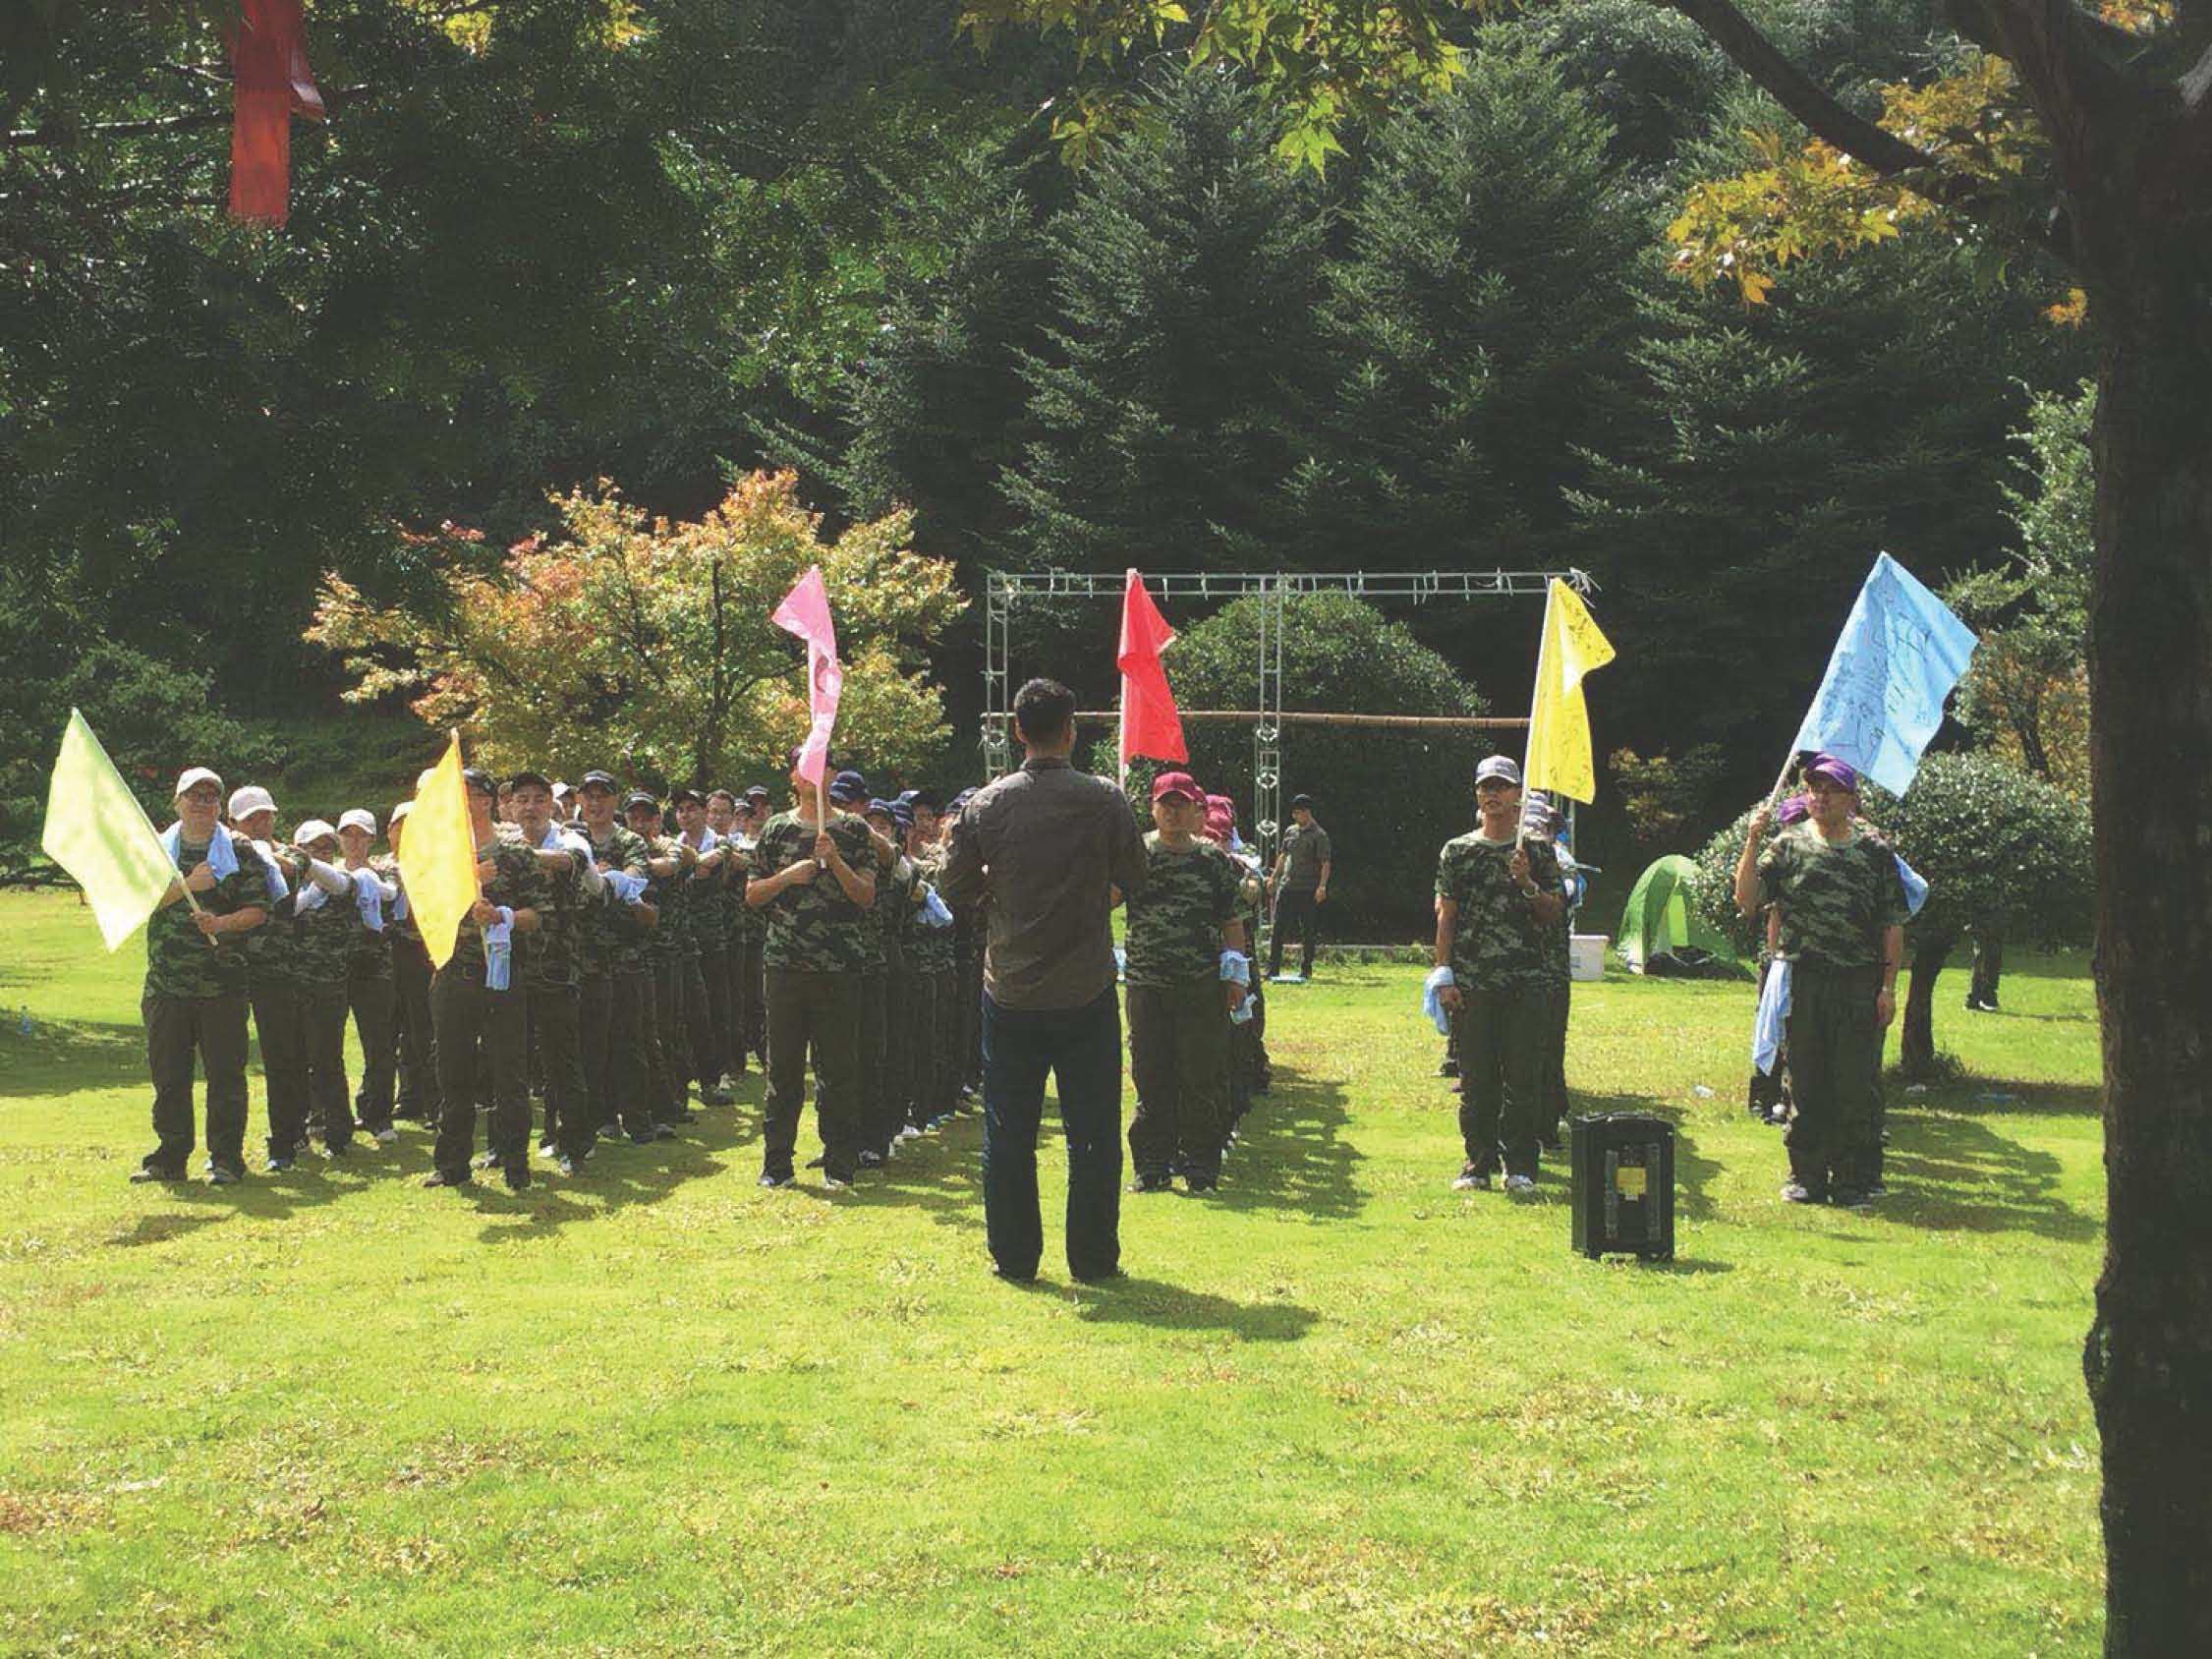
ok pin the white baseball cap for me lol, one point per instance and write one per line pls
(401, 810)
(246, 802)
(312, 831)
(197, 776)
(358, 818)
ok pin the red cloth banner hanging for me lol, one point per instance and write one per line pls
(270, 83)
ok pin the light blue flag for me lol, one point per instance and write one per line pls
(1900, 655)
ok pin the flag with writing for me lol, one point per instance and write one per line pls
(1900, 653)
(1558, 721)
(1150, 724)
(438, 856)
(805, 612)
(97, 832)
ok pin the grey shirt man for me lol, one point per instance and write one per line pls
(1049, 843)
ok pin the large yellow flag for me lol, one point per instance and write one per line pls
(438, 856)
(97, 832)
(1558, 723)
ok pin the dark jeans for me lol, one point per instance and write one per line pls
(614, 1071)
(214, 1029)
(699, 1027)
(329, 1107)
(375, 1003)
(279, 1023)
(749, 995)
(1294, 909)
(417, 1045)
(939, 1088)
(714, 970)
(1834, 1078)
(968, 987)
(1081, 1049)
(1502, 1037)
(556, 1025)
(918, 1048)
(821, 1012)
(657, 1072)
(1179, 1060)
(468, 1014)
(871, 1118)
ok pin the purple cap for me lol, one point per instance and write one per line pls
(1838, 772)
(1792, 810)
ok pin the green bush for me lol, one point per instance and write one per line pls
(1388, 799)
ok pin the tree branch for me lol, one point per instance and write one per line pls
(61, 132)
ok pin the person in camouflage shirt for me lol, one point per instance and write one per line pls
(1248, 1041)
(195, 997)
(1497, 898)
(479, 1003)
(934, 1018)
(1179, 927)
(615, 984)
(814, 882)
(553, 976)
(416, 1096)
(371, 994)
(702, 916)
(1542, 823)
(719, 943)
(884, 1034)
(659, 1021)
(329, 927)
(1843, 930)
(274, 987)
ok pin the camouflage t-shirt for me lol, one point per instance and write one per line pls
(1498, 944)
(613, 943)
(324, 942)
(272, 954)
(179, 962)
(894, 905)
(1174, 930)
(813, 926)
(516, 883)
(929, 951)
(1836, 899)
(371, 956)
(398, 929)
(555, 951)
(670, 896)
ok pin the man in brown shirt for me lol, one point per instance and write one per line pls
(1049, 845)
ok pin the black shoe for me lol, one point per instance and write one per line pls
(1156, 1181)
(223, 1175)
(1796, 1192)
(566, 1164)
(1106, 1277)
(664, 1131)
(278, 1164)
(1471, 1180)
(772, 1180)
(871, 1160)
(518, 1177)
(1029, 1278)
(685, 1118)
(438, 1178)
(336, 1149)
(718, 1097)
(1202, 1183)
(642, 1137)
(548, 1147)
(1448, 1068)
(155, 1172)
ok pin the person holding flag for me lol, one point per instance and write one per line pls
(198, 890)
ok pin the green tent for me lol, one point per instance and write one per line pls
(1662, 922)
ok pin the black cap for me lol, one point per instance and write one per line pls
(755, 793)
(921, 798)
(1297, 801)
(600, 780)
(847, 787)
(536, 778)
(642, 798)
(479, 780)
(677, 798)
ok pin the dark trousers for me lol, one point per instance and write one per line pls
(918, 1048)
(1558, 1005)
(470, 1016)
(706, 1063)
(418, 1044)
(1989, 967)
(715, 973)
(818, 1012)
(330, 1108)
(890, 1095)
(1179, 1062)
(1080, 1049)
(869, 1108)
(1248, 1054)
(1294, 910)
(610, 1006)
(374, 1002)
(1502, 1047)
(748, 993)
(1834, 1078)
(661, 1078)
(279, 1022)
(968, 1056)
(941, 1086)
(213, 1028)
(556, 1023)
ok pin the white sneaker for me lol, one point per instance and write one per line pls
(908, 1131)
(386, 1135)
(1520, 1183)
(830, 1184)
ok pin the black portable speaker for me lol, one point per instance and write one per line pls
(1621, 1168)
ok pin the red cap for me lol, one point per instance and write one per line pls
(1176, 783)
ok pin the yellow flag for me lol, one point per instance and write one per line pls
(438, 856)
(1558, 723)
(96, 830)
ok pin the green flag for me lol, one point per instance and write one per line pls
(97, 832)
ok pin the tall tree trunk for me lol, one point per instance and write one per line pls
(2148, 1357)
(1917, 1042)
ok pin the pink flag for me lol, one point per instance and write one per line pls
(1150, 724)
(805, 612)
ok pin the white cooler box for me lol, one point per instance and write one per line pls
(1586, 955)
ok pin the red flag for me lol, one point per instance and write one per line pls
(270, 83)
(1150, 726)
(805, 612)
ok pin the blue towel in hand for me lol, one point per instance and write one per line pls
(498, 950)
(1432, 1005)
(1768, 1029)
(935, 911)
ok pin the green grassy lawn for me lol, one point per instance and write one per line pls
(1337, 1409)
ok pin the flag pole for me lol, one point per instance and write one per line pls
(1528, 739)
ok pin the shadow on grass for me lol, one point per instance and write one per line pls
(1170, 1308)
(1692, 1169)
(161, 1227)
(1291, 1154)
(1951, 1172)
(71, 1056)
(617, 1177)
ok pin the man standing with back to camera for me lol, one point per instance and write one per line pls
(1049, 845)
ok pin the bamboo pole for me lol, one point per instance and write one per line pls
(1430, 723)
